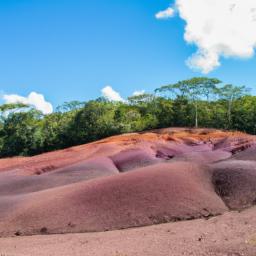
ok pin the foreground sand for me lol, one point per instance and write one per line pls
(231, 234)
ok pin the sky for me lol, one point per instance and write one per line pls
(52, 51)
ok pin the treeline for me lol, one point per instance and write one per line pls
(197, 102)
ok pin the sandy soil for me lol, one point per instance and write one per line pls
(134, 180)
(231, 234)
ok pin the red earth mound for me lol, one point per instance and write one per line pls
(248, 154)
(134, 158)
(235, 182)
(175, 139)
(157, 194)
(174, 174)
(16, 183)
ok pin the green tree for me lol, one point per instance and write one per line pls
(70, 106)
(128, 118)
(195, 90)
(94, 121)
(230, 93)
(21, 134)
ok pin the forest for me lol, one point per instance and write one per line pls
(196, 102)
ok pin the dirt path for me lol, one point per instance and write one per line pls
(232, 234)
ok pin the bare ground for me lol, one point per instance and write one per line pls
(231, 234)
(128, 181)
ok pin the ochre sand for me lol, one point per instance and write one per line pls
(127, 190)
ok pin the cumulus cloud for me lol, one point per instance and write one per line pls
(219, 28)
(138, 93)
(33, 99)
(110, 94)
(166, 14)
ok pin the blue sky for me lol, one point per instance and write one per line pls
(71, 49)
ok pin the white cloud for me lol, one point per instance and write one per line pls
(166, 14)
(109, 93)
(138, 93)
(33, 99)
(219, 28)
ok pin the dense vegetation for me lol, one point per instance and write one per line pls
(197, 102)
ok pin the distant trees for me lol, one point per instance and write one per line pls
(6, 109)
(194, 90)
(195, 102)
(21, 134)
(230, 93)
(94, 121)
(244, 114)
(70, 106)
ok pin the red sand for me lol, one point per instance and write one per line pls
(171, 137)
(134, 158)
(152, 195)
(235, 182)
(174, 174)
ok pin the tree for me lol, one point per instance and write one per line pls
(182, 112)
(128, 118)
(21, 133)
(6, 109)
(163, 110)
(244, 114)
(195, 89)
(70, 106)
(230, 93)
(141, 99)
(94, 121)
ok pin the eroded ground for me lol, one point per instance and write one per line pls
(198, 185)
